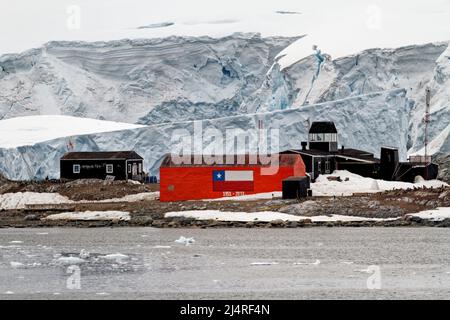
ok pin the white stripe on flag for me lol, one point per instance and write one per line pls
(238, 175)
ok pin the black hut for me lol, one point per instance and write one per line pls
(118, 165)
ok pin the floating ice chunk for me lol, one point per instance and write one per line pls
(70, 260)
(263, 263)
(117, 257)
(315, 263)
(185, 241)
(16, 265)
(84, 254)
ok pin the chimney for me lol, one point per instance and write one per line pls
(342, 148)
(304, 144)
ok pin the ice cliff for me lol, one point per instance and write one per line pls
(375, 97)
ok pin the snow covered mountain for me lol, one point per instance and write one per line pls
(376, 97)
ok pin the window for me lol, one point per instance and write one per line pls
(129, 168)
(312, 137)
(327, 166)
(109, 168)
(76, 168)
(319, 136)
(319, 167)
(328, 137)
(140, 168)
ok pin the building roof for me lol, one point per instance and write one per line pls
(355, 153)
(323, 127)
(102, 155)
(343, 153)
(248, 160)
(314, 152)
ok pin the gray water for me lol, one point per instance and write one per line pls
(315, 263)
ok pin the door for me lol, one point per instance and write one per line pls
(134, 170)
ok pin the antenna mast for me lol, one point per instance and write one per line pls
(427, 120)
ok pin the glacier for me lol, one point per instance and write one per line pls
(379, 117)
(376, 97)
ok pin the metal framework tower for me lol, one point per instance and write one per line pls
(427, 121)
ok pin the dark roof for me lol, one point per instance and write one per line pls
(284, 160)
(103, 155)
(323, 127)
(355, 153)
(351, 153)
(313, 152)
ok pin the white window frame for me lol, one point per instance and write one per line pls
(327, 166)
(140, 168)
(108, 166)
(129, 168)
(76, 166)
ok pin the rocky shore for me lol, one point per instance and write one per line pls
(391, 208)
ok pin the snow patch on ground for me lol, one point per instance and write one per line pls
(19, 200)
(91, 215)
(265, 216)
(144, 196)
(358, 184)
(438, 214)
(27, 131)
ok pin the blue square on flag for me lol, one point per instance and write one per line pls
(219, 175)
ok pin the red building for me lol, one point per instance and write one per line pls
(180, 182)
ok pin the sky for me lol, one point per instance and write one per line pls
(338, 27)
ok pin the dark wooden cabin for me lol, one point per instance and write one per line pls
(121, 165)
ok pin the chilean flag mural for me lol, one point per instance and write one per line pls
(233, 180)
(180, 182)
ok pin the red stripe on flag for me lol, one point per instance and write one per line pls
(233, 186)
